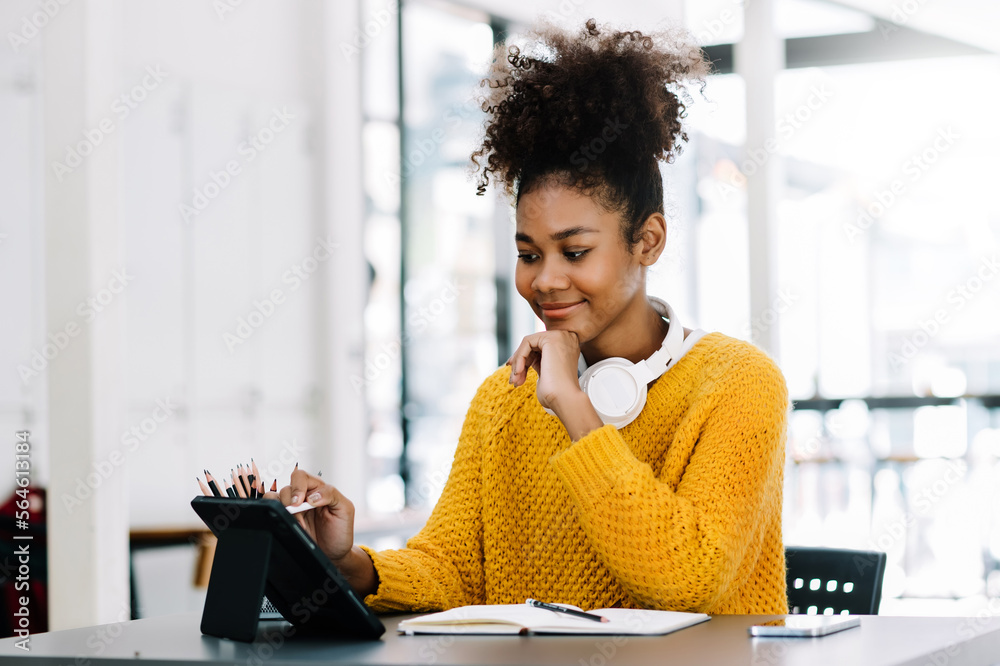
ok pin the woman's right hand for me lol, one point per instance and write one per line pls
(331, 526)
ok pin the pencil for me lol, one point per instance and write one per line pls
(244, 480)
(212, 484)
(204, 488)
(260, 487)
(274, 486)
(254, 477)
(229, 489)
(239, 479)
(238, 486)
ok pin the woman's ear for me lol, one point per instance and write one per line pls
(653, 239)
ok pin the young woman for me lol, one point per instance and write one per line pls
(673, 504)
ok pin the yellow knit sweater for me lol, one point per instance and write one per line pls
(679, 510)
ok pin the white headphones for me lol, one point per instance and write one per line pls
(617, 387)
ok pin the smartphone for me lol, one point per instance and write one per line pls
(805, 626)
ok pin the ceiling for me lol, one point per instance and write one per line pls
(973, 22)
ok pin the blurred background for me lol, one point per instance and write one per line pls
(247, 228)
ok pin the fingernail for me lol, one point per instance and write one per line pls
(295, 499)
(312, 499)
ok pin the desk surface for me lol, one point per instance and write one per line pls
(880, 640)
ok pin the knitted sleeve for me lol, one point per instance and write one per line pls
(680, 544)
(442, 565)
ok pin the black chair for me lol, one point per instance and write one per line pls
(829, 581)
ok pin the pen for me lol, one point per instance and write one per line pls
(563, 609)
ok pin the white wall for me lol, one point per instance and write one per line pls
(159, 388)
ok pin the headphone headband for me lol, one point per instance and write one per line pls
(656, 364)
(672, 343)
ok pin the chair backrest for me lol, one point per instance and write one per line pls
(832, 581)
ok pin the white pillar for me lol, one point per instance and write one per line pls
(759, 58)
(343, 423)
(88, 537)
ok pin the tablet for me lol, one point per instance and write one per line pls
(260, 536)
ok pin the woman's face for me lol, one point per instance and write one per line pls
(572, 265)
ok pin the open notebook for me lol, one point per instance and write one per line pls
(524, 619)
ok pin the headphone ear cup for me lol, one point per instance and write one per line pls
(614, 390)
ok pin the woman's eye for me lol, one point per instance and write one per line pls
(572, 255)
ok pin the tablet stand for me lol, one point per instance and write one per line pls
(236, 586)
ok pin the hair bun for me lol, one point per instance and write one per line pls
(585, 104)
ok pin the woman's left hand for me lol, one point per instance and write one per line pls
(554, 356)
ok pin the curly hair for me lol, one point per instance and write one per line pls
(594, 112)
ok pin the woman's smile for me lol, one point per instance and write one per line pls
(560, 310)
